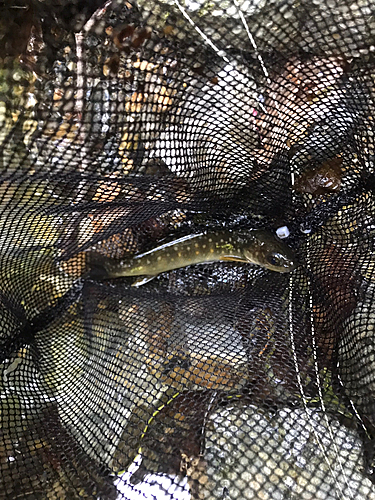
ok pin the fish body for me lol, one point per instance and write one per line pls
(259, 247)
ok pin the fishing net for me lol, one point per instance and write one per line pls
(128, 127)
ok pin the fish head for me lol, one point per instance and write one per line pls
(270, 252)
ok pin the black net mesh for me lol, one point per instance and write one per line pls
(187, 226)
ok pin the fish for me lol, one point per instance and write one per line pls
(258, 246)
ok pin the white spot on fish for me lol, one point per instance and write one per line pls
(159, 258)
(221, 240)
(209, 240)
(197, 252)
(196, 245)
(148, 262)
(188, 249)
(204, 246)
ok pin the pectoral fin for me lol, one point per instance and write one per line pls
(233, 258)
(143, 280)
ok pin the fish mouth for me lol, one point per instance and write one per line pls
(285, 267)
(293, 263)
(290, 266)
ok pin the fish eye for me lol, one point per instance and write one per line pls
(275, 259)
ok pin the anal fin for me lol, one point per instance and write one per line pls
(143, 280)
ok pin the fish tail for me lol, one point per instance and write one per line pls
(102, 267)
(98, 265)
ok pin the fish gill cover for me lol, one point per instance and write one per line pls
(127, 129)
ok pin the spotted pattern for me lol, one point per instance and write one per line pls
(253, 247)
